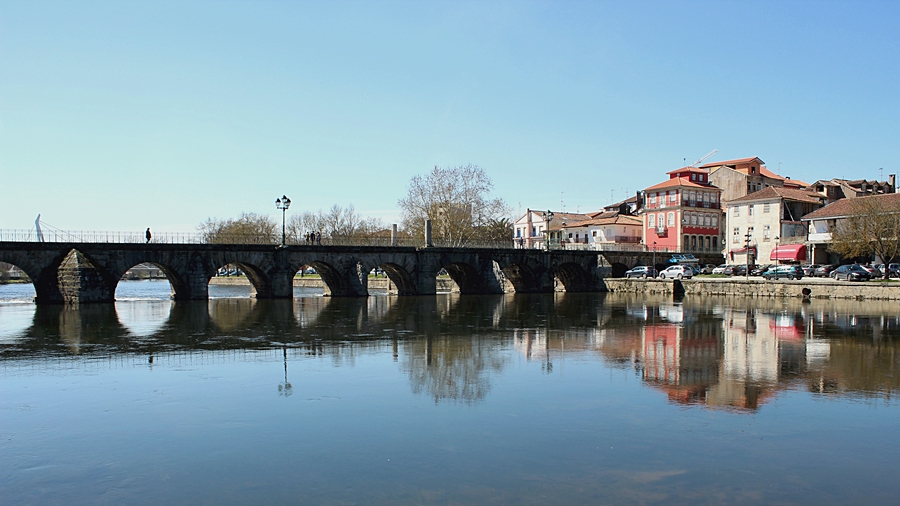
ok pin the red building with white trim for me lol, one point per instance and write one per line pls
(684, 213)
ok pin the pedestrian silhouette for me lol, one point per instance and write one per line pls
(147, 235)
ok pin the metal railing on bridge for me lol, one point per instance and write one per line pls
(123, 237)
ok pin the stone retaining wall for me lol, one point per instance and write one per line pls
(759, 288)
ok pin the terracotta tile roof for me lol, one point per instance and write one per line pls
(614, 219)
(679, 181)
(689, 169)
(844, 207)
(773, 192)
(795, 182)
(730, 162)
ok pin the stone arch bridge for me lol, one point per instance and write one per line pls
(89, 272)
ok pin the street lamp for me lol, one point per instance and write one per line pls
(548, 217)
(654, 255)
(283, 203)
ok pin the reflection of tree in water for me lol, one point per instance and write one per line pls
(456, 368)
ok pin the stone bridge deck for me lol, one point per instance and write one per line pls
(89, 272)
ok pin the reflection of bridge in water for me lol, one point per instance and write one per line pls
(697, 352)
(89, 272)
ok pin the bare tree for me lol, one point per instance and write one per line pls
(248, 228)
(336, 223)
(456, 200)
(873, 228)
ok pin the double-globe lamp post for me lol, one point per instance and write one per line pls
(283, 203)
(548, 217)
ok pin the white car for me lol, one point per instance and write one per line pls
(677, 272)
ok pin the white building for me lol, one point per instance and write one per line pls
(602, 230)
(772, 218)
(530, 228)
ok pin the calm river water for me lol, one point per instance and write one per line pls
(513, 399)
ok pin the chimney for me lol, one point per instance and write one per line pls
(892, 179)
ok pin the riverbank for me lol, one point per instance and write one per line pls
(815, 288)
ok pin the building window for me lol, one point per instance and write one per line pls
(570, 235)
(673, 196)
(661, 220)
(750, 210)
(593, 233)
(671, 221)
(737, 235)
(715, 220)
(651, 221)
(652, 198)
(705, 197)
(765, 208)
(766, 233)
(693, 177)
(715, 242)
(693, 219)
(736, 210)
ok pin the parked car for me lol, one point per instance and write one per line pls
(824, 271)
(707, 269)
(760, 269)
(739, 270)
(808, 270)
(851, 272)
(724, 269)
(641, 271)
(783, 271)
(871, 270)
(677, 272)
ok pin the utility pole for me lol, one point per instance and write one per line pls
(747, 249)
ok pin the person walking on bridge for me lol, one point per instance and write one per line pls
(147, 235)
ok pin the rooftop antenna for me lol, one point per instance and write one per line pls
(880, 173)
(562, 208)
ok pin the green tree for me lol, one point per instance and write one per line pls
(248, 228)
(873, 228)
(457, 200)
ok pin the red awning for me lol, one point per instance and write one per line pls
(789, 252)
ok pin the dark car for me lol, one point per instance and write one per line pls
(852, 272)
(759, 269)
(783, 271)
(824, 271)
(740, 270)
(641, 271)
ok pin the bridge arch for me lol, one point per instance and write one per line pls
(618, 269)
(523, 277)
(466, 277)
(398, 270)
(574, 277)
(260, 283)
(330, 275)
(177, 283)
(42, 269)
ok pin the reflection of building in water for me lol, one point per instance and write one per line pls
(682, 360)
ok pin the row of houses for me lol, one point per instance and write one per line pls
(733, 207)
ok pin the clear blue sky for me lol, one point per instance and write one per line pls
(124, 115)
